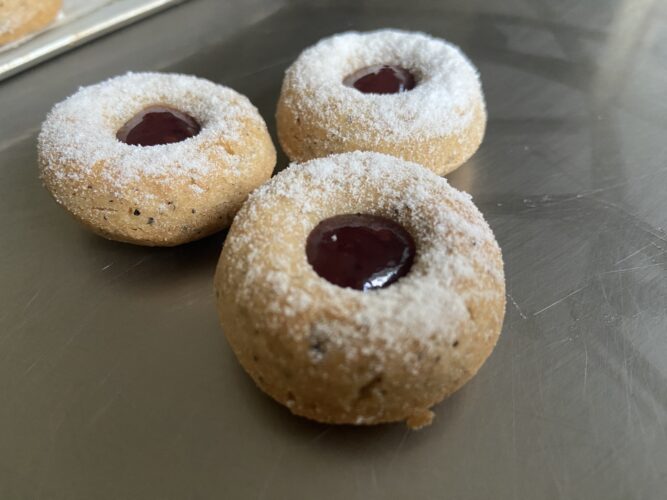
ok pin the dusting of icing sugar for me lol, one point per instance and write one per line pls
(14, 18)
(6, 26)
(442, 103)
(453, 244)
(81, 130)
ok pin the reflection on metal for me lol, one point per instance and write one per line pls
(115, 381)
(630, 22)
(79, 24)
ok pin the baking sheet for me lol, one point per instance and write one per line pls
(78, 22)
(116, 381)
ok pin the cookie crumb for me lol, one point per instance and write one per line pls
(420, 419)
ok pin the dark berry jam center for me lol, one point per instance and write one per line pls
(360, 251)
(382, 79)
(158, 125)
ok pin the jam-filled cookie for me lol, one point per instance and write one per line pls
(19, 18)
(154, 159)
(360, 288)
(405, 94)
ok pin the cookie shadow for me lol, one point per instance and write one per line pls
(345, 439)
(143, 269)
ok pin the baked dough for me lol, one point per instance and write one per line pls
(161, 195)
(344, 356)
(19, 18)
(440, 123)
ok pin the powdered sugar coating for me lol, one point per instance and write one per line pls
(428, 306)
(442, 103)
(7, 25)
(81, 130)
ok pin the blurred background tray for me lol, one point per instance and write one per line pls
(116, 381)
(80, 21)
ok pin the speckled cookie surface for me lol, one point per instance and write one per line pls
(340, 355)
(439, 124)
(19, 18)
(165, 194)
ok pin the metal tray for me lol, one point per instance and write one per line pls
(116, 381)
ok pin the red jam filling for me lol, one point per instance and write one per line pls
(381, 80)
(360, 251)
(158, 125)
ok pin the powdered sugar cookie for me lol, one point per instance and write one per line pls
(154, 159)
(360, 288)
(405, 94)
(19, 18)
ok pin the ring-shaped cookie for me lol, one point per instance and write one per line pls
(440, 123)
(340, 355)
(165, 194)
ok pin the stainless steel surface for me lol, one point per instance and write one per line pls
(80, 22)
(116, 382)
